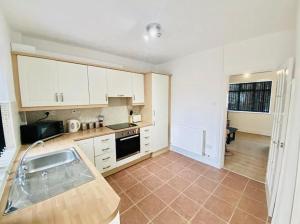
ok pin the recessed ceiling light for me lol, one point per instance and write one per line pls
(153, 31)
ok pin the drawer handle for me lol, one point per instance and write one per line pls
(147, 144)
(106, 158)
(105, 140)
(106, 167)
(147, 130)
(146, 151)
(105, 149)
(146, 137)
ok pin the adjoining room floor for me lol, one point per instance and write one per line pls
(175, 189)
(250, 155)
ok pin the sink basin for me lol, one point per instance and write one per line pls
(46, 176)
(50, 160)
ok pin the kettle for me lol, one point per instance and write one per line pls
(73, 126)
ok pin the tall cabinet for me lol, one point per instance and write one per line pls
(156, 109)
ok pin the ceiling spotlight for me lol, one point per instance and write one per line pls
(154, 30)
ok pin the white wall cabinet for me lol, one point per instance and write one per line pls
(73, 84)
(87, 146)
(160, 111)
(137, 88)
(119, 83)
(97, 85)
(38, 82)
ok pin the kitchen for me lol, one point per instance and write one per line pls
(114, 112)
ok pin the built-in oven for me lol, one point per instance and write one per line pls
(127, 143)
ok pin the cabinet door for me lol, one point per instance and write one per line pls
(97, 85)
(138, 88)
(119, 83)
(87, 146)
(73, 84)
(38, 81)
(160, 106)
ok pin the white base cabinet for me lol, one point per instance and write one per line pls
(145, 140)
(87, 146)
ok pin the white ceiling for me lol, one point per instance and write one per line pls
(117, 26)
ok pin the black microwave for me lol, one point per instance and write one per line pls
(42, 130)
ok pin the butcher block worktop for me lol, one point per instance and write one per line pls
(92, 202)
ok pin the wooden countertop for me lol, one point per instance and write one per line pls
(93, 202)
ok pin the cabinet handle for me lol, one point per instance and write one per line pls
(146, 130)
(62, 97)
(133, 96)
(105, 140)
(106, 167)
(105, 149)
(120, 95)
(147, 144)
(106, 97)
(56, 97)
(146, 137)
(106, 158)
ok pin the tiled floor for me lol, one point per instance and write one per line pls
(174, 189)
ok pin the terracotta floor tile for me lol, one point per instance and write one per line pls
(227, 194)
(166, 193)
(151, 206)
(141, 173)
(126, 182)
(215, 174)
(125, 202)
(119, 174)
(169, 216)
(188, 174)
(219, 208)
(255, 193)
(133, 167)
(133, 216)
(173, 156)
(198, 167)
(116, 187)
(146, 162)
(240, 217)
(162, 161)
(185, 207)
(255, 184)
(152, 182)
(206, 217)
(235, 183)
(237, 177)
(207, 184)
(197, 193)
(137, 192)
(178, 183)
(165, 174)
(153, 167)
(254, 207)
(185, 161)
(175, 167)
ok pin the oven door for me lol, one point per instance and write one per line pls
(127, 146)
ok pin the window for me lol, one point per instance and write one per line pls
(253, 97)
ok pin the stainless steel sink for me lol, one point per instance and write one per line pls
(46, 176)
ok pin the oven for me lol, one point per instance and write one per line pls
(127, 143)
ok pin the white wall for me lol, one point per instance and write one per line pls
(200, 85)
(56, 49)
(255, 123)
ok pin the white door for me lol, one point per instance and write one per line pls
(160, 107)
(73, 84)
(87, 146)
(138, 88)
(119, 83)
(38, 81)
(97, 85)
(278, 138)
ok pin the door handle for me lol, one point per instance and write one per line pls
(130, 137)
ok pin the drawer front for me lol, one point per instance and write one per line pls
(146, 148)
(104, 144)
(145, 131)
(105, 161)
(145, 139)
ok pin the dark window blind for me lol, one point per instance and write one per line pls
(253, 97)
(2, 139)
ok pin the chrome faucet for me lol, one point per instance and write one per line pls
(22, 168)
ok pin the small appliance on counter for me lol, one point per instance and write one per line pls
(73, 125)
(136, 118)
(41, 130)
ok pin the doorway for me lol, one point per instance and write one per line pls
(251, 104)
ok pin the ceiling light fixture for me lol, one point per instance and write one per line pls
(153, 31)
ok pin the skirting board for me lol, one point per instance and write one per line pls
(206, 160)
